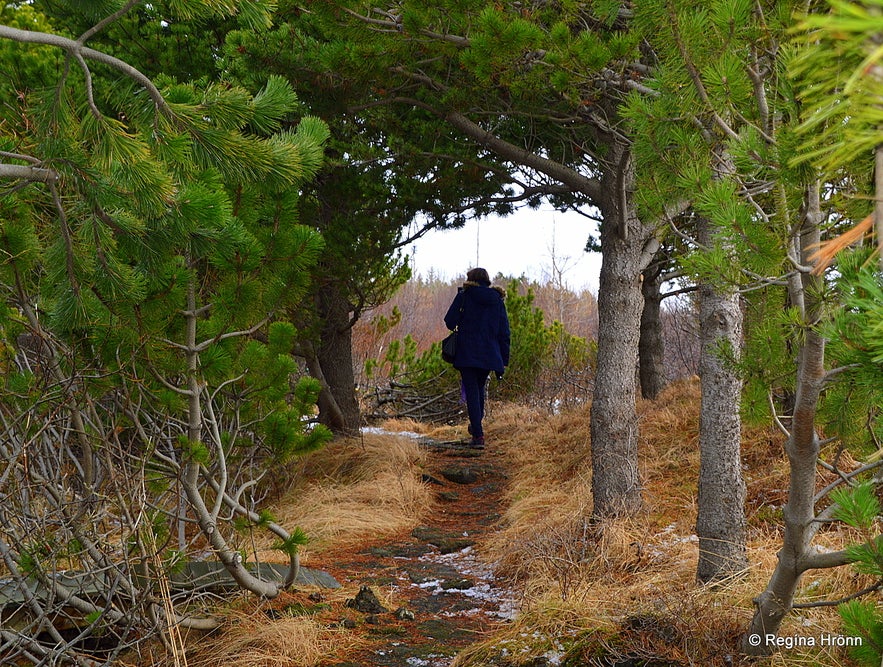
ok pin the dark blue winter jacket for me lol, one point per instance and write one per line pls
(479, 314)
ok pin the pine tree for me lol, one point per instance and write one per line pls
(384, 187)
(700, 84)
(537, 89)
(745, 165)
(150, 249)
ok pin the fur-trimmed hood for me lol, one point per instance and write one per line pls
(500, 290)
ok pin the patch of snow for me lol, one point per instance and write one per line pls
(429, 661)
(465, 562)
(462, 612)
(524, 650)
(374, 430)
(553, 657)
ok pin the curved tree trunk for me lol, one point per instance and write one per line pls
(797, 554)
(338, 405)
(329, 411)
(651, 348)
(720, 523)
(616, 488)
(206, 518)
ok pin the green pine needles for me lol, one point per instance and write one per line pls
(860, 508)
(150, 248)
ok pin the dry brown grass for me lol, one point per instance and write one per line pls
(628, 587)
(254, 641)
(354, 489)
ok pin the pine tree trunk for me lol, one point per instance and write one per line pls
(338, 405)
(720, 523)
(616, 488)
(651, 348)
(795, 556)
(802, 447)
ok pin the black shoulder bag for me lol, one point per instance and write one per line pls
(449, 344)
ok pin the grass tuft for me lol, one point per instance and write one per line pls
(357, 488)
(254, 641)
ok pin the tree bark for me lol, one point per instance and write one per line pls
(802, 447)
(338, 405)
(720, 523)
(616, 488)
(651, 348)
(207, 519)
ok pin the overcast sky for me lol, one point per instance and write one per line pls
(523, 243)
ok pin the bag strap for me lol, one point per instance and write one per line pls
(460, 319)
(462, 296)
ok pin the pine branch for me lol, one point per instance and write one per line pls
(87, 75)
(101, 25)
(393, 24)
(825, 560)
(527, 193)
(766, 123)
(168, 385)
(23, 172)
(873, 463)
(619, 78)
(76, 49)
(832, 374)
(578, 182)
(836, 603)
(776, 419)
(20, 156)
(678, 292)
(204, 345)
(697, 79)
(66, 236)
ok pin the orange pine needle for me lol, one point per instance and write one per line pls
(827, 250)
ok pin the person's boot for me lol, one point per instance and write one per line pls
(477, 443)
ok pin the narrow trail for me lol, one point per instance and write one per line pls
(445, 597)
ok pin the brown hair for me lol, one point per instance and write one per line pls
(478, 275)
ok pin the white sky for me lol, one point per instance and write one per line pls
(527, 242)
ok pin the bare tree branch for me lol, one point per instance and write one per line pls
(19, 171)
(836, 603)
(76, 48)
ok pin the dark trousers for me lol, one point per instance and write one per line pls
(474, 382)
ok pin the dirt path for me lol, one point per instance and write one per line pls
(446, 598)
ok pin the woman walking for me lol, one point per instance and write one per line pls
(478, 312)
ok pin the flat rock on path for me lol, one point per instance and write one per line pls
(446, 598)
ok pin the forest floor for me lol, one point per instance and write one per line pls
(432, 572)
(413, 595)
(449, 557)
